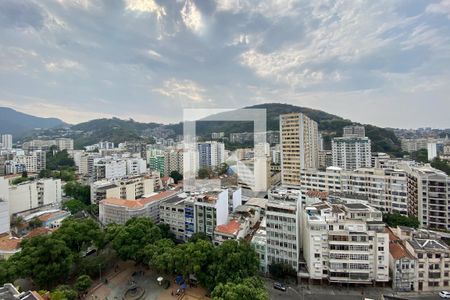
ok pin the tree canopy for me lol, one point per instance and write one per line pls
(251, 288)
(394, 220)
(78, 191)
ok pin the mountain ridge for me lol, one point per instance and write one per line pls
(18, 123)
(118, 130)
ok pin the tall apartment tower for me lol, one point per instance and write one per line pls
(7, 142)
(353, 150)
(299, 140)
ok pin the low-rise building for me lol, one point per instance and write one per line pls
(124, 188)
(119, 211)
(433, 263)
(171, 212)
(8, 247)
(402, 264)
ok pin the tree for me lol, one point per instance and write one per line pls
(83, 283)
(420, 155)
(394, 220)
(232, 261)
(79, 234)
(166, 232)
(46, 259)
(19, 180)
(251, 288)
(35, 223)
(74, 206)
(63, 292)
(78, 191)
(195, 258)
(199, 236)
(24, 174)
(441, 164)
(131, 239)
(281, 270)
(222, 168)
(46, 173)
(160, 255)
(176, 176)
(59, 160)
(203, 173)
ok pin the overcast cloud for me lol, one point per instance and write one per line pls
(382, 62)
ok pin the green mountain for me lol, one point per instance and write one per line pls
(18, 123)
(113, 130)
(383, 140)
(118, 130)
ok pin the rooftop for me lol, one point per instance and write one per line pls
(140, 203)
(10, 244)
(231, 228)
(428, 244)
(37, 232)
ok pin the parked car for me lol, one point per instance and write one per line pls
(444, 294)
(279, 286)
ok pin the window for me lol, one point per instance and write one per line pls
(317, 255)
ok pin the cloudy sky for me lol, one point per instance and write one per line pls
(383, 62)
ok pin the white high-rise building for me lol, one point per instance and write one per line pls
(299, 146)
(109, 168)
(352, 151)
(344, 244)
(283, 232)
(33, 194)
(64, 144)
(432, 151)
(7, 141)
(211, 154)
(4, 206)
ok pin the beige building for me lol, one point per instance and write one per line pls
(119, 211)
(125, 188)
(344, 244)
(299, 146)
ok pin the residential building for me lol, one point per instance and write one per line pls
(136, 166)
(210, 154)
(156, 160)
(351, 152)
(64, 144)
(413, 145)
(8, 247)
(9, 292)
(325, 159)
(299, 146)
(87, 161)
(283, 232)
(428, 195)
(33, 162)
(109, 168)
(402, 264)
(7, 141)
(344, 243)
(432, 151)
(38, 145)
(380, 160)
(4, 206)
(172, 213)
(254, 174)
(433, 263)
(354, 131)
(119, 211)
(259, 243)
(33, 194)
(173, 161)
(130, 188)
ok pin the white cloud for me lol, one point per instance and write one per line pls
(183, 90)
(146, 6)
(192, 17)
(339, 32)
(61, 65)
(266, 8)
(443, 7)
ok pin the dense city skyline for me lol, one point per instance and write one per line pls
(366, 61)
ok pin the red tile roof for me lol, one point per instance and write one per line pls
(37, 232)
(231, 227)
(140, 203)
(10, 244)
(317, 194)
(398, 251)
